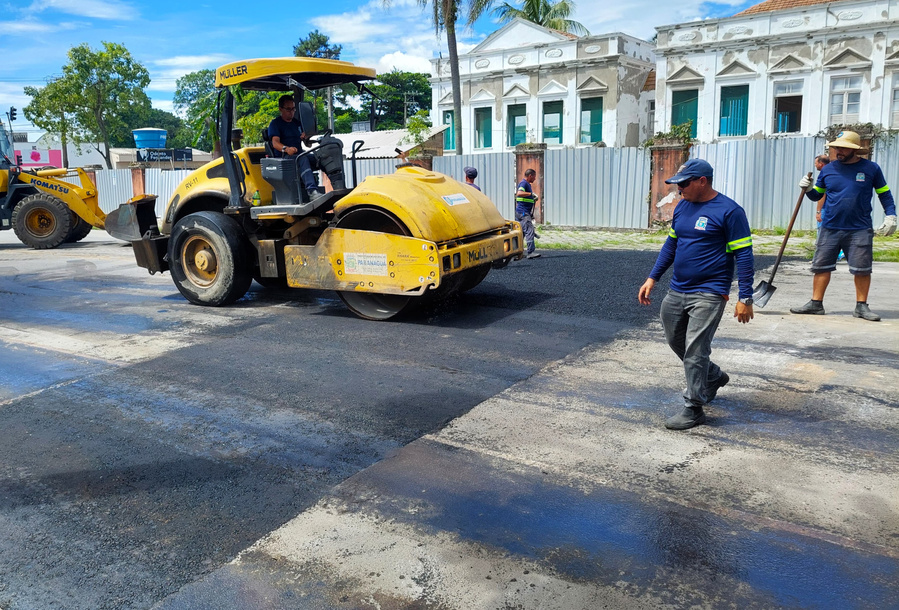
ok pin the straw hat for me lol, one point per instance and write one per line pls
(847, 139)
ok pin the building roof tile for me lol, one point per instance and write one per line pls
(779, 5)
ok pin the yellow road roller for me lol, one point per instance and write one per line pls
(383, 244)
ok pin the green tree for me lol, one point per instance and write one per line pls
(399, 95)
(552, 15)
(419, 126)
(49, 110)
(445, 14)
(255, 110)
(195, 98)
(101, 87)
(319, 45)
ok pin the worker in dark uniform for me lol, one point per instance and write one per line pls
(846, 225)
(287, 139)
(708, 233)
(525, 200)
(470, 174)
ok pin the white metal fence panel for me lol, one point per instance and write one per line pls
(163, 183)
(762, 176)
(496, 176)
(368, 167)
(597, 187)
(886, 155)
(113, 188)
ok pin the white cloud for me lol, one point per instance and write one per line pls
(401, 35)
(404, 62)
(168, 106)
(32, 26)
(13, 94)
(98, 9)
(631, 18)
(165, 72)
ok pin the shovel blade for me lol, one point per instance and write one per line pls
(762, 293)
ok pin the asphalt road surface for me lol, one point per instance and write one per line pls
(282, 453)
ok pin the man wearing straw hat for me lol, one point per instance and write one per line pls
(846, 224)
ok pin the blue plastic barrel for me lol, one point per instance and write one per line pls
(149, 137)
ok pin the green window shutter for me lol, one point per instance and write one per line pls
(552, 122)
(685, 107)
(449, 136)
(591, 120)
(483, 128)
(734, 114)
(517, 124)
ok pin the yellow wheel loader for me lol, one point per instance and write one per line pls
(43, 210)
(384, 245)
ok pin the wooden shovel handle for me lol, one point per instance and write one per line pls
(783, 246)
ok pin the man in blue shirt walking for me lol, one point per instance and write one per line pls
(525, 199)
(848, 183)
(708, 233)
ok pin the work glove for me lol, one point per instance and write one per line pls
(888, 227)
(805, 182)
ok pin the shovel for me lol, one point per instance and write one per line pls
(764, 290)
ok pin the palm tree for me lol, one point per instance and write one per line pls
(552, 15)
(445, 15)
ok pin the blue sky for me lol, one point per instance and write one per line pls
(172, 38)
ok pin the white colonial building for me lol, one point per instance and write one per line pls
(781, 67)
(526, 83)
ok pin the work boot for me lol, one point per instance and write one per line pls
(314, 194)
(534, 255)
(689, 417)
(812, 307)
(714, 387)
(862, 311)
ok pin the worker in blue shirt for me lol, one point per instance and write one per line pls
(708, 233)
(287, 138)
(470, 174)
(849, 183)
(525, 200)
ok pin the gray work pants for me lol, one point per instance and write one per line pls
(690, 322)
(527, 227)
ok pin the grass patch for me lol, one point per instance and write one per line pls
(766, 242)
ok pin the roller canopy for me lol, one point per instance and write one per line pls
(273, 74)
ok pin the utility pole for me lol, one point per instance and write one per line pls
(406, 104)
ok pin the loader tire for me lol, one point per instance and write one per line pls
(42, 221)
(210, 258)
(80, 229)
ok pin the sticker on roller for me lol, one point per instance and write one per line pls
(361, 263)
(455, 199)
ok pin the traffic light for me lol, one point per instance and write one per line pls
(12, 114)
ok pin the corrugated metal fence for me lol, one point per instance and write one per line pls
(113, 187)
(496, 176)
(762, 176)
(597, 187)
(886, 155)
(162, 184)
(602, 187)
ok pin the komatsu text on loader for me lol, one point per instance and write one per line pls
(383, 245)
(44, 210)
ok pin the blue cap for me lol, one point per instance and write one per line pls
(694, 168)
(471, 172)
